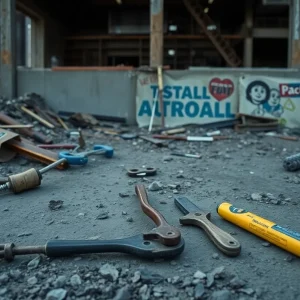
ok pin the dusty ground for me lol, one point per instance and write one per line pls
(229, 171)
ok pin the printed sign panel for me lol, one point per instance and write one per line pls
(271, 97)
(191, 98)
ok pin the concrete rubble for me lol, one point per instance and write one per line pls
(98, 202)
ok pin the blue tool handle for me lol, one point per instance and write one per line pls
(109, 151)
(75, 160)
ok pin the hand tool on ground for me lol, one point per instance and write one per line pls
(292, 163)
(284, 238)
(107, 151)
(33, 177)
(141, 172)
(189, 138)
(164, 232)
(37, 136)
(134, 245)
(186, 155)
(197, 217)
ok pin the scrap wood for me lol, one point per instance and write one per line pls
(190, 138)
(62, 123)
(283, 137)
(16, 126)
(45, 116)
(37, 136)
(154, 141)
(256, 123)
(38, 118)
(173, 131)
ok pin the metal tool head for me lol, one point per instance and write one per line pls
(141, 172)
(186, 206)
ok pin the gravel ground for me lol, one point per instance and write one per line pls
(98, 201)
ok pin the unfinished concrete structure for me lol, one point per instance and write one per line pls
(179, 33)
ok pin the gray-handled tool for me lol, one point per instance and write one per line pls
(197, 217)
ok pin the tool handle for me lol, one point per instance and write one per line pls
(223, 240)
(73, 159)
(167, 234)
(135, 245)
(282, 237)
(109, 151)
(169, 137)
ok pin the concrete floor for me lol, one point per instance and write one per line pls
(229, 170)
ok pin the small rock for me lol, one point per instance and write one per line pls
(266, 244)
(155, 186)
(186, 282)
(103, 216)
(150, 278)
(123, 195)
(256, 197)
(247, 291)
(24, 234)
(173, 263)
(199, 290)
(60, 281)
(57, 294)
(271, 196)
(215, 256)
(32, 280)
(162, 202)
(136, 277)
(187, 184)
(221, 295)
(55, 204)
(198, 179)
(180, 176)
(275, 202)
(237, 283)
(129, 219)
(167, 158)
(3, 291)
(109, 272)
(4, 278)
(123, 294)
(33, 264)
(199, 275)
(124, 213)
(75, 280)
(175, 192)
(144, 292)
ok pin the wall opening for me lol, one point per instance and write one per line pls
(24, 40)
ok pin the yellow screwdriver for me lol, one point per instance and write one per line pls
(282, 237)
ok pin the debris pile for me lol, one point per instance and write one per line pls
(47, 280)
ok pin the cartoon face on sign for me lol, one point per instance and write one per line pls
(258, 92)
(221, 89)
(267, 100)
(274, 98)
(273, 105)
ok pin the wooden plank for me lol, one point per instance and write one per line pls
(157, 33)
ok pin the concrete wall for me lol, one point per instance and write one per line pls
(108, 93)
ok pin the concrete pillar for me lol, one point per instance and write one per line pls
(156, 32)
(248, 42)
(8, 82)
(294, 40)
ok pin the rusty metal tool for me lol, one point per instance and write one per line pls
(197, 217)
(164, 232)
(135, 245)
(141, 172)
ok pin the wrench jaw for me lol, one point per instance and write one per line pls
(166, 235)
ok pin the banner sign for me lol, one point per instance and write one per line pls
(271, 97)
(191, 98)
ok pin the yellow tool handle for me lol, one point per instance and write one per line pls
(282, 237)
